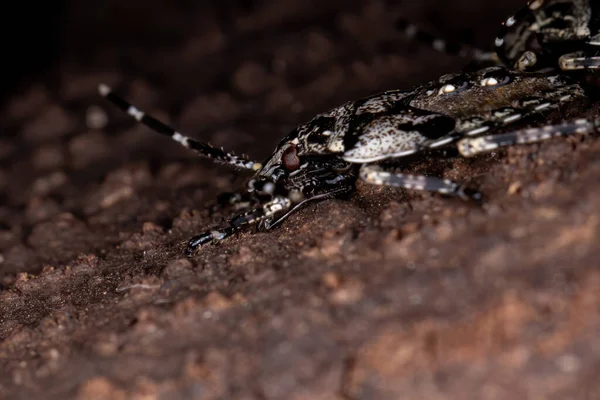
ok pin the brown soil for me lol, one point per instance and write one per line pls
(387, 295)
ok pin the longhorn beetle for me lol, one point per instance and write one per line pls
(324, 157)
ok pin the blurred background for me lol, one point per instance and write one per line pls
(237, 73)
(121, 36)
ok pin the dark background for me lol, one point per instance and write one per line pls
(388, 295)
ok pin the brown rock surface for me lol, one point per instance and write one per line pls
(388, 295)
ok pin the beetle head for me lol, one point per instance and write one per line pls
(293, 172)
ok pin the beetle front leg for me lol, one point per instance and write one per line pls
(376, 175)
(208, 236)
(266, 211)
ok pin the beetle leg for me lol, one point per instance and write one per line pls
(525, 108)
(469, 147)
(575, 61)
(268, 224)
(238, 222)
(376, 175)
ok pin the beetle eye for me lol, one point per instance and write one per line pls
(290, 159)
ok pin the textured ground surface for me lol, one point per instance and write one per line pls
(388, 295)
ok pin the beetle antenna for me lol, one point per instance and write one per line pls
(204, 149)
(412, 31)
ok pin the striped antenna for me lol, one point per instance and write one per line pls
(204, 149)
(412, 31)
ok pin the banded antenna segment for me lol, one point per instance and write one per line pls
(203, 149)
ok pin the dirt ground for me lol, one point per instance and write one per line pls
(387, 295)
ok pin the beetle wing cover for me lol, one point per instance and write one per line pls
(396, 135)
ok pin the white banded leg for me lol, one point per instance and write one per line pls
(238, 222)
(526, 107)
(570, 62)
(204, 149)
(271, 223)
(469, 147)
(376, 175)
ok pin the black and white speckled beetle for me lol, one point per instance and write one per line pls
(325, 157)
(561, 34)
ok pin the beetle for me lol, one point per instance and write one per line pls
(362, 139)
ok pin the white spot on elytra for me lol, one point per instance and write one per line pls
(447, 89)
(489, 82)
(498, 42)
